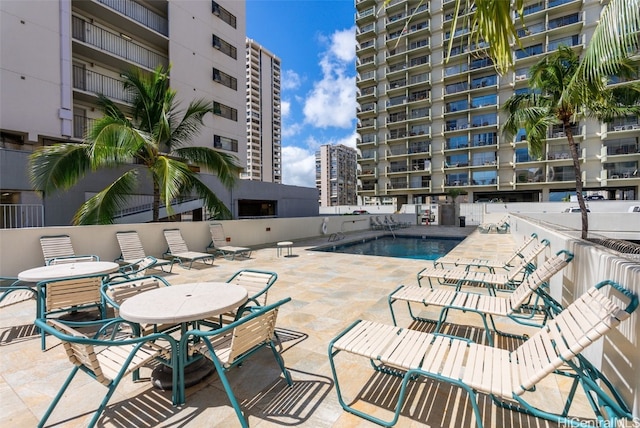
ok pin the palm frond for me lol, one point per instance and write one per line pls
(114, 142)
(223, 164)
(616, 37)
(58, 167)
(173, 177)
(190, 124)
(103, 207)
(211, 201)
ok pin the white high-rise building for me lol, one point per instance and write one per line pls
(56, 56)
(336, 175)
(264, 119)
(426, 126)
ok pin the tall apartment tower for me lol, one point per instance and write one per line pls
(264, 119)
(63, 53)
(336, 175)
(426, 126)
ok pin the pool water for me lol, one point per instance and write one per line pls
(406, 247)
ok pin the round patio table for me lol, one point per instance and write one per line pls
(181, 304)
(67, 270)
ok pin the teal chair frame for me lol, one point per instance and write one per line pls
(206, 338)
(15, 285)
(107, 335)
(600, 392)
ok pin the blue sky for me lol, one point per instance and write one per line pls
(315, 41)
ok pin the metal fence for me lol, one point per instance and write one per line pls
(15, 216)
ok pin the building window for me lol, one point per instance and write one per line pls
(224, 143)
(223, 14)
(225, 47)
(225, 111)
(225, 79)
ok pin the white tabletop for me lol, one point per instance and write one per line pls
(67, 270)
(183, 302)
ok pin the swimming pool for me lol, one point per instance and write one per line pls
(406, 247)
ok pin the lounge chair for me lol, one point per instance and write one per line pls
(180, 252)
(58, 249)
(522, 254)
(136, 269)
(501, 226)
(229, 346)
(106, 357)
(506, 280)
(219, 241)
(488, 305)
(131, 250)
(502, 375)
(514, 259)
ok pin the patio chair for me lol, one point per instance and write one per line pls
(115, 292)
(131, 250)
(488, 305)
(58, 249)
(12, 292)
(180, 252)
(107, 357)
(522, 254)
(56, 297)
(136, 269)
(219, 241)
(231, 345)
(504, 376)
(257, 283)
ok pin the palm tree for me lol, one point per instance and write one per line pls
(556, 98)
(153, 135)
(615, 38)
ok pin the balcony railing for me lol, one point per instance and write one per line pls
(90, 81)
(15, 216)
(115, 44)
(140, 14)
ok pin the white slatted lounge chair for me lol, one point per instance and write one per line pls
(505, 376)
(58, 249)
(219, 245)
(105, 359)
(519, 254)
(178, 249)
(131, 250)
(231, 345)
(501, 226)
(487, 305)
(505, 280)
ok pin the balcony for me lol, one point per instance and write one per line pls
(96, 83)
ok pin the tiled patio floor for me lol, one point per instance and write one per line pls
(328, 291)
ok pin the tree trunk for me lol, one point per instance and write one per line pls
(576, 167)
(156, 202)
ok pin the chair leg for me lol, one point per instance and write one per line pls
(58, 396)
(278, 357)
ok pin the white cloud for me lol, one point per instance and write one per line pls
(285, 108)
(290, 80)
(298, 167)
(332, 101)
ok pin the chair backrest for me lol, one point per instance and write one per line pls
(217, 234)
(80, 354)
(256, 282)
(175, 241)
(56, 246)
(539, 277)
(254, 331)
(130, 245)
(518, 253)
(67, 293)
(563, 338)
(120, 291)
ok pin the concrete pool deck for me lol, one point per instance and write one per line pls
(329, 291)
